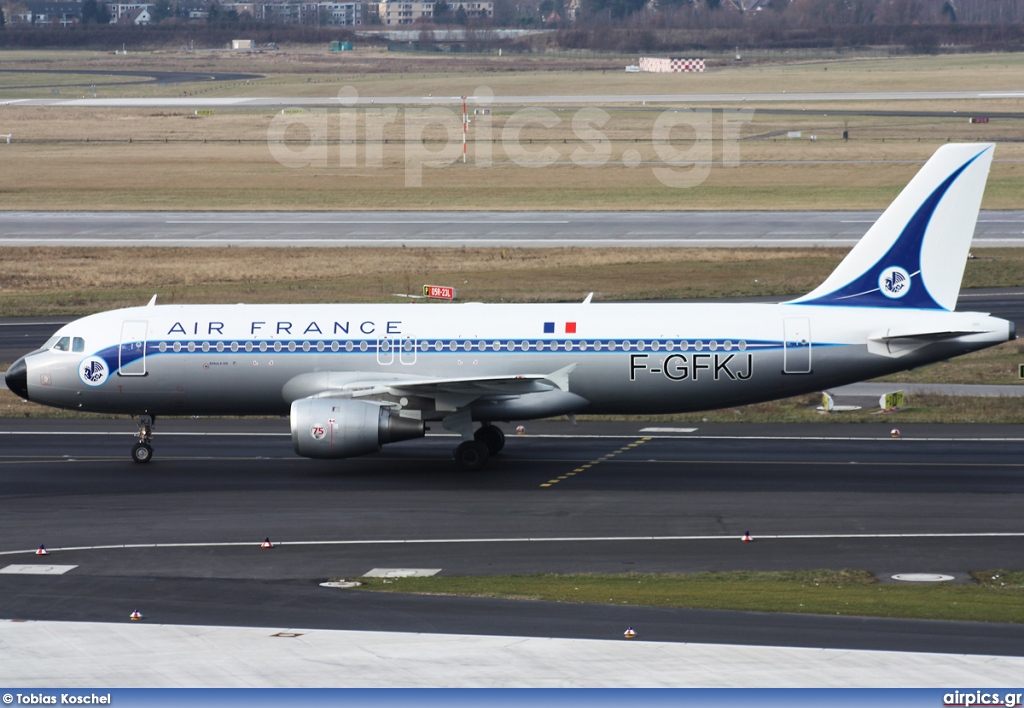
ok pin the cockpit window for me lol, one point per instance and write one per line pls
(63, 344)
(78, 344)
(50, 342)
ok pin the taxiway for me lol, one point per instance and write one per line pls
(585, 229)
(181, 536)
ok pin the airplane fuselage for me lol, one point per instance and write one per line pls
(626, 358)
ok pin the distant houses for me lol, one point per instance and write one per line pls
(44, 14)
(130, 13)
(407, 12)
(323, 13)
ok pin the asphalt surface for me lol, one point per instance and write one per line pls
(126, 78)
(19, 336)
(467, 229)
(181, 535)
(487, 97)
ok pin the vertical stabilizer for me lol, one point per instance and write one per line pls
(914, 255)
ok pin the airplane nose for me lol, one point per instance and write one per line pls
(17, 378)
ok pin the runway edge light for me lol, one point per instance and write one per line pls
(42, 550)
(266, 543)
(746, 537)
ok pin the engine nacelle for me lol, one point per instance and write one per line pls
(332, 428)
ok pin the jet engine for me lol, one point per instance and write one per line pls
(333, 428)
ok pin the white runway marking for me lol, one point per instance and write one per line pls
(668, 430)
(525, 539)
(347, 222)
(512, 240)
(402, 573)
(37, 569)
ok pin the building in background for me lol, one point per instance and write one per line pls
(119, 10)
(315, 14)
(42, 13)
(404, 13)
(473, 10)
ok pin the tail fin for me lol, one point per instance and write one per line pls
(914, 255)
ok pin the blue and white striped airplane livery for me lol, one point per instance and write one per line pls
(355, 377)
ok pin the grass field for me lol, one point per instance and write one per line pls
(248, 177)
(78, 281)
(994, 596)
(91, 158)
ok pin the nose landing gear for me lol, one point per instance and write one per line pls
(142, 451)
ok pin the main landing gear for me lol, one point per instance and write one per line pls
(472, 455)
(142, 451)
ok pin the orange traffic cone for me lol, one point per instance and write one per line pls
(266, 543)
(42, 551)
(746, 537)
(136, 615)
(630, 633)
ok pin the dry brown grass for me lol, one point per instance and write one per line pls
(630, 124)
(38, 281)
(74, 281)
(246, 176)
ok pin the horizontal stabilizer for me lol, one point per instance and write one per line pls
(896, 343)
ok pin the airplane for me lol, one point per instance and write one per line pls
(355, 377)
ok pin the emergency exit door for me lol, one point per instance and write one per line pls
(131, 355)
(796, 345)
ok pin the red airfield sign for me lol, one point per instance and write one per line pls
(439, 292)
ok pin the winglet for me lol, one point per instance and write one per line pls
(588, 298)
(560, 378)
(152, 301)
(914, 255)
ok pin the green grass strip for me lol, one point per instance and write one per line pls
(993, 596)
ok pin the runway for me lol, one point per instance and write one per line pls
(126, 78)
(181, 536)
(585, 229)
(487, 97)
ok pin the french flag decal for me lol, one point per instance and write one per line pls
(570, 328)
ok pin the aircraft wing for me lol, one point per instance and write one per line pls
(479, 385)
(448, 393)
